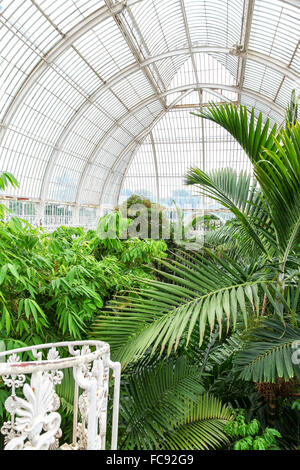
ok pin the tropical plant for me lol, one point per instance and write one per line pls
(6, 179)
(164, 406)
(51, 285)
(246, 278)
(148, 219)
(249, 434)
(195, 330)
(207, 288)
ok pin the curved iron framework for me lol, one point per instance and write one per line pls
(85, 83)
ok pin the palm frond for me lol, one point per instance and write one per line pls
(65, 390)
(201, 291)
(7, 178)
(201, 427)
(222, 351)
(278, 173)
(269, 353)
(235, 193)
(234, 240)
(291, 114)
(154, 398)
(249, 133)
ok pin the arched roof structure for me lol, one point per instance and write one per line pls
(84, 83)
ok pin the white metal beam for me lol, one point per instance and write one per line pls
(101, 15)
(86, 24)
(200, 91)
(203, 105)
(137, 142)
(62, 138)
(283, 78)
(75, 33)
(188, 37)
(109, 132)
(104, 139)
(191, 87)
(71, 123)
(244, 42)
(139, 139)
(155, 166)
(80, 29)
(256, 56)
(294, 3)
(137, 49)
(126, 72)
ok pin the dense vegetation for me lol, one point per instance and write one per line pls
(206, 337)
(232, 309)
(52, 284)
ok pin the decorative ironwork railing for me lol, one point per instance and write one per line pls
(35, 422)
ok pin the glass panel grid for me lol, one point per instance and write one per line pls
(71, 120)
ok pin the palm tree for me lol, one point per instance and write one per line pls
(207, 288)
(245, 278)
(164, 406)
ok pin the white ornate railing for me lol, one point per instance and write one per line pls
(34, 418)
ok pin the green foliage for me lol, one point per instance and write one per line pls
(249, 433)
(276, 166)
(155, 397)
(268, 353)
(201, 426)
(193, 329)
(52, 285)
(252, 136)
(291, 114)
(296, 405)
(184, 235)
(246, 281)
(235, 193)
(164, 407)
(205, 290)
(114, 225)
(150, 216)
(132, 252)
(6, 179)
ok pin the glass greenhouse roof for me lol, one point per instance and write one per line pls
(96, 95)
